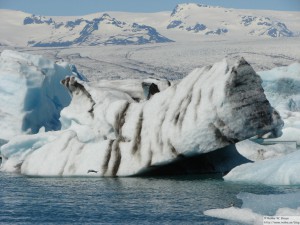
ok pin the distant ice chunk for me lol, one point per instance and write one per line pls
(282, 84)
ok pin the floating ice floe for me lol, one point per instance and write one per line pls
(256, 206)
(282, 170)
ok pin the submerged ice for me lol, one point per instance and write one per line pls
(113, 131)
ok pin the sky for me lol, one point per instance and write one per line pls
(83, 7)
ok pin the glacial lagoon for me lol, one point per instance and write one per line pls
(130, 200)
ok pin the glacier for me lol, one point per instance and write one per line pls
(106, 131)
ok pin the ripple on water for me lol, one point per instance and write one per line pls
(168, 200)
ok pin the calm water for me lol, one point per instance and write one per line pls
(170, 200)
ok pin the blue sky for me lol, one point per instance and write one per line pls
(82, 7)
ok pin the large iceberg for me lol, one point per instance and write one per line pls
(108, 132)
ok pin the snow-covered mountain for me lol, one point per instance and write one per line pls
(187, 21)
(208, 20)
(264, 26)
(103, 30)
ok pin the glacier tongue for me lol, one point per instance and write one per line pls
(106, 131)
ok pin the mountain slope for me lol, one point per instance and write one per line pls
(103, 30)
(208, 20)
(187, 22)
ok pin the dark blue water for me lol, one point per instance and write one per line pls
(170, 200)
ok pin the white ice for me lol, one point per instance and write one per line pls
(276, 171)
(31, 96)
(255, 151)
(105, 130)
(275, 164)
(254, 207)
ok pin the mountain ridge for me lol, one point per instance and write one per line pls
(119, 28)
(102, 30)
